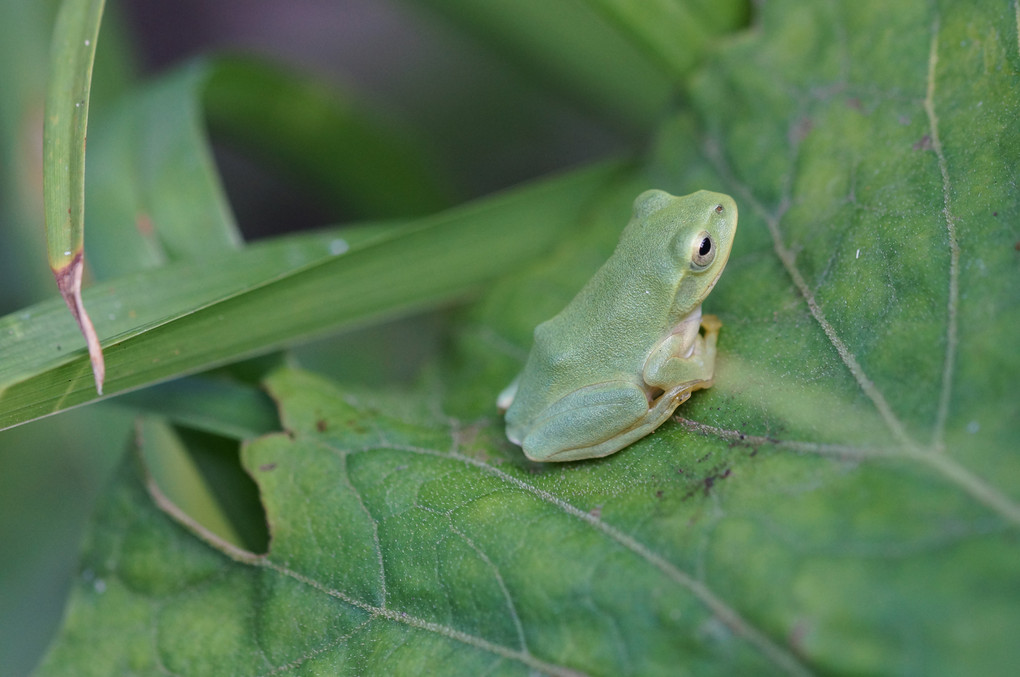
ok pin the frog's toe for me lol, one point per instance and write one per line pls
(711, 323)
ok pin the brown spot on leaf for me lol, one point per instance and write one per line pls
(143, 222)
(924, 143)
(710, 481)
(266, 467)
(705, 485)
(321, 425)
(69, 283)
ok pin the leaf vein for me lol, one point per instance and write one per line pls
(949, 361)
(841, 451)
(375, 525)
(788, 258)
(429, 626)
(1016, 7)
(511, 608)
(335, 642)
(728, 615)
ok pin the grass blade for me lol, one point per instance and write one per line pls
(188, 317)
(67, 112)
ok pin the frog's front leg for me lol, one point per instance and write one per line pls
(679, 360)
(590, 422)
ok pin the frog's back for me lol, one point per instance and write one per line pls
(595, 338)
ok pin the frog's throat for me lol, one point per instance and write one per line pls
(686, 322)
(694, 315)
(688, 326)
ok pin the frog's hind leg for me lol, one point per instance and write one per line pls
(586, 423)
(598, 420)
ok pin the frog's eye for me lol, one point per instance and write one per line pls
(704, 251)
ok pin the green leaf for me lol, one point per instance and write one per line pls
(67, 113)
(154, 193)
(346, 150)
(387, 534)
(186, 317)
(868, 181)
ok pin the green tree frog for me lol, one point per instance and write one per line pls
(627, 350)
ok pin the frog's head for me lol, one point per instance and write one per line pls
(696, 231)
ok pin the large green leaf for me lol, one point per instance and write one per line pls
(403, 548)
(845, 499)
(882, 182)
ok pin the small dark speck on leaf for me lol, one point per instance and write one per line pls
(924, 143)
(356, 426)
(709, 481)
(704, 457)
(266, 467)
(321, 425)
(596, 512)
(800, 130)
(658, 494)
